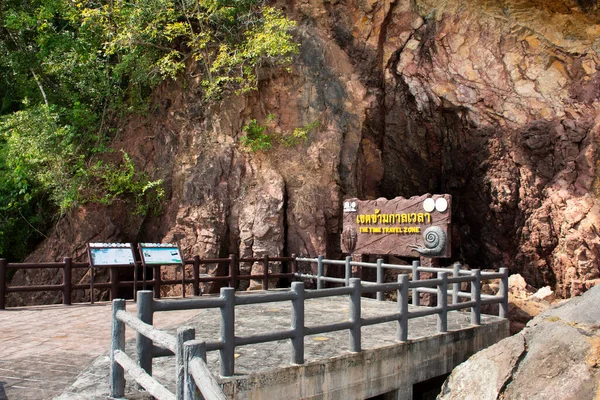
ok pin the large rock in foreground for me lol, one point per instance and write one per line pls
(557, 356)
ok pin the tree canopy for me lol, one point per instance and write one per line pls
(70, 69)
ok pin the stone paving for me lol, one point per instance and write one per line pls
(61, 352)
(44, 348)
(262, 318)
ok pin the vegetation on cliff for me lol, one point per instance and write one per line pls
(70, 70)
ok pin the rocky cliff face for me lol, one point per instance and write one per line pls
(557, 356)
(494, 102)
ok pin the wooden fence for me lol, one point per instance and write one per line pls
(67, 286)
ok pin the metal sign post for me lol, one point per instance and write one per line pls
(158, 254)
(108, 255)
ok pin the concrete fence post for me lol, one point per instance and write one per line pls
(298, 323)
(67, 280)
(402, 331)
(416, 300)
(319, 272)
(355, 336)
(184, 333)
(227, 353)
(503, 311)
(380, 277)
(455, 286)
(442, 300)
(476, 297)
(117, 374)
(145, 311)
(348, 270)
(191, 350)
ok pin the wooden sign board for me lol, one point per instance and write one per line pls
(415, 227)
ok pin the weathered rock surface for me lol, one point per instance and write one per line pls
(557, 356)
(494, 102)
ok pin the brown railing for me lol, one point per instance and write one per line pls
(114, 283)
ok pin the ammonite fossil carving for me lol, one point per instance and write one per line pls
(435, 242)
(349, 239)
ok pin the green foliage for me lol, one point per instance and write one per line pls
(258, 138)
(70, 68)
(299, 135)
(114, 182)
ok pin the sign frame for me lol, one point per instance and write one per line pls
(118, 252)
(416, 227)
(160, 258)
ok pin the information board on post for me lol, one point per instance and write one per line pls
(160, 253)
(415, 227)
(111, 254)
(108, 254)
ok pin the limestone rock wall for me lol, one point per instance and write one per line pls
(494, 102)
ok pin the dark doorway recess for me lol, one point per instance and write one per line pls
(429, 389)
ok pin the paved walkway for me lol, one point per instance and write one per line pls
(61, 352)
(44, 348)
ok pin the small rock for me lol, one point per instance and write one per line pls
(544, 294)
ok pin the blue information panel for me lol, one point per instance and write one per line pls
(111, 254)
(160, 253)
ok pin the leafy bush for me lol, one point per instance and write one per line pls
(256, 139)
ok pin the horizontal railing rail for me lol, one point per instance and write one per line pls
(456, 278)
(191, 354)
(67, 286)
(190, 358)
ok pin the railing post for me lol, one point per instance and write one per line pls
(266, 272)
(416, 300)
(67, 283)
(355, 337)
(3, 268)
(348, 270)
(196, 275)
(113, 275)
(157, 281)
(233, 270)
(298, 323)
(442, 300)
(455, 286)
(117, 374)
(380, 277)
(227, 353)
(145, 310)
(184, 334)
(294, 266)
(319, 272)
(476, 297)
(191, 350)
(503, 311)
(402, 331)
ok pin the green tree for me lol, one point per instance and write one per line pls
(69, 69)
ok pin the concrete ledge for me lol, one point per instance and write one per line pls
(371, 372)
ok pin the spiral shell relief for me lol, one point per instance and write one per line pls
(435, 242)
